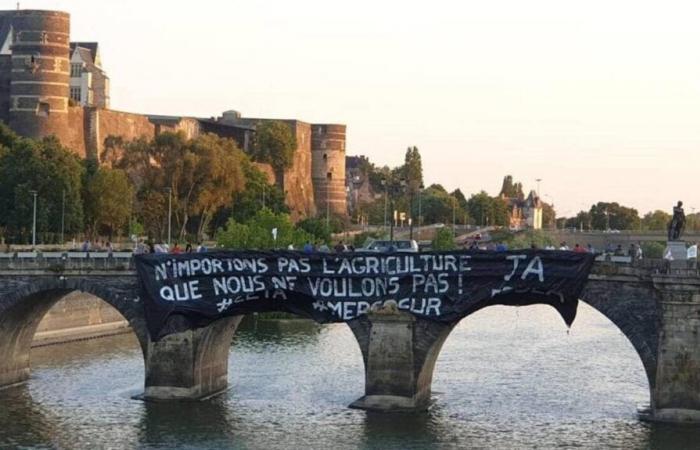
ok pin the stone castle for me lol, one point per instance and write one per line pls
(51, 86)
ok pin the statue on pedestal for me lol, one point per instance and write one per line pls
(677, 224)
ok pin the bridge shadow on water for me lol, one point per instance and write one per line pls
(505, 378)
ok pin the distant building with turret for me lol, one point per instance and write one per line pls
(51, 86)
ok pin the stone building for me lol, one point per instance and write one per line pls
(525, 213)
(50, 86)
(89, 84)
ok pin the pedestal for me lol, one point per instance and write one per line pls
(678, 252)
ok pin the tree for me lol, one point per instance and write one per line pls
(548, 216)
(317, 228)
(413, 170)
(202, 173)
(444, 240)
(246, 203)
(108, 202)
(509, 189)
(657, 220)
(614, 216)
(48, 168)
(487, 210)
(275, 144)
(256, 233)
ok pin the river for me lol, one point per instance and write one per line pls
(506, 378)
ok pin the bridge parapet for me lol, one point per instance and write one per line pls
(59, 261)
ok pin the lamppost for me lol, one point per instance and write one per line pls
(454, 230)
(34, 193)
(393, 191)
(386, 201)
(410, 209)
(63, 215)
(329, 177)
(170, 213)
(420, 209)
(263, 196)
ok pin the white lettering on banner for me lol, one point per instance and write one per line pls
(181, 292)
(516, 260)
(535, 267)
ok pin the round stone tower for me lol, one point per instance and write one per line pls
(40, 81)
(328, 168)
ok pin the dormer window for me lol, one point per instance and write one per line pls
(76, 70)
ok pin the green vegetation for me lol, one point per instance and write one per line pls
(516, 240)
(444, 240)
(257, 232)
(653, 249)
(207, 180)
(47, 168)
(274, 144)
(108, 201)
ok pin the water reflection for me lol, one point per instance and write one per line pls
(505, 379)
(24, 422)
(188, 424)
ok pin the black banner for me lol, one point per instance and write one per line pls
(192, 290)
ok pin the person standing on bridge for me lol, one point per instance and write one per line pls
(693, 255)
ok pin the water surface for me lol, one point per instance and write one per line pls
(506, 378)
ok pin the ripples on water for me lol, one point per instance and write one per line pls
(506, 378)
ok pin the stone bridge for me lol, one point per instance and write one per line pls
(656, 307)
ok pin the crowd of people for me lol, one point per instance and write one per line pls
(143, 247)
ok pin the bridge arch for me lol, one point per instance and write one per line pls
(400, 351)
(24, 305)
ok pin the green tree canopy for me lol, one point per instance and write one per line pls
(256, 232)
(202, 174)
(413, 170)
(510, 189)
(657, 220)
(275, 144)
(48, 168)
(108, 200)
(614, 216)
(487, 210)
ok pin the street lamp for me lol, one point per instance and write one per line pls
(34, 193)
(420, 209)
(386, 201)
(393, 191)
(329, 177)
(454, 232)
(63, 216)
(170, 213)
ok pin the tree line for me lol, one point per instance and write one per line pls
(203, 181)
(433, 203)
(613, 216)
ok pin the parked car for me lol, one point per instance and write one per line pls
(403, 245)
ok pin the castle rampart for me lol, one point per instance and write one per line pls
(328, 168)
(35, 94)
(40, 73)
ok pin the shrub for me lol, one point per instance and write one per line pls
(444, 240)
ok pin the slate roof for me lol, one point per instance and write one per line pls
(91, 47)
(5, 25)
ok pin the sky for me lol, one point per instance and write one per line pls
(598, 99)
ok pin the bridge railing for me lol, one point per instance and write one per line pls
(66, 260)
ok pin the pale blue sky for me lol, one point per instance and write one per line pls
(600, 99)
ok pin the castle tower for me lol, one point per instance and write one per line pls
(40, 79)
(328, 168)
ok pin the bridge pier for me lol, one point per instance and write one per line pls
(676, 395)
(399, 352)
(191, 364)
